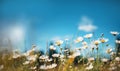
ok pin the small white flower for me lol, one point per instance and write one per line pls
(112, 53)
(52, 47)
(29, 52)
(88, 35)
(84, 43)
(117, 58)
(84, 47)
(59, 42)
(89, 67)
(79, 39)
(56, 55)
(62, 56)
(32, 57)
(109, 50)
(104, 60)
(114, 33)
(45, 67)
(103, 40)
(52, 66)
(96, 42)
(49, 60)
(16, 56)
(117, 41)
(43, 57)
(33, 68)
(76, 54)
(71, 56)
(26, 62)
(91, 59)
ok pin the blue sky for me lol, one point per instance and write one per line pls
(44, 20)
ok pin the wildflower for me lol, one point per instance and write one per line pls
(96, 42)
(79, 39)
(89, 67)
(117, 59)
(71, 56)
(114, 33)
(104, 60)
(76, 54)
(109, 50)
(55, 55)
(59, 42)
(52, 66)
(32, 57)
(91, 59)
(52, 47)
(118, 41)
(85, 47)
(26, 62)
(29, 52)
(49, 60)
(84, 43)
(33, 68)
(62, 56)
(43, 57)
(103, 40)
(45, 67)
(16, 56)
(88, 36)
(112, 53)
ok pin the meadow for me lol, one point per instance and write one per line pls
(84, 53)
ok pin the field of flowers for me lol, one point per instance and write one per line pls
(84, 53)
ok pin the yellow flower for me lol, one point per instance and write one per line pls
(103, 40)
(96, 42)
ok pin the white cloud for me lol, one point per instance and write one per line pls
(86, 25)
